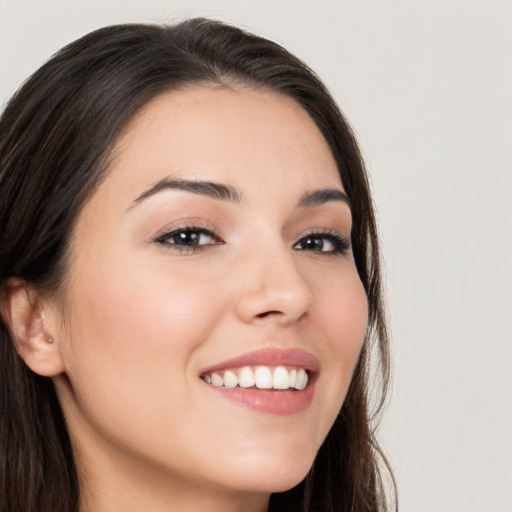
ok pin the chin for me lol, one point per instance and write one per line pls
(270, 474)
(272, 482)
(286, 482)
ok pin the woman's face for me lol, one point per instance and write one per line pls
(215, 251)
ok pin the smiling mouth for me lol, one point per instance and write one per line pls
(260, 377)
(273, 381)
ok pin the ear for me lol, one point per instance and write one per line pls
(32, 322)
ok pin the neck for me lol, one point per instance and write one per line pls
(111, 482)
(136, 498)
(121, 489)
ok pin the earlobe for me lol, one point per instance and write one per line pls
(26, 315)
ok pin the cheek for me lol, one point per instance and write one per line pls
(143, 305)
(343, 308)
(133, 332)
(343, 323)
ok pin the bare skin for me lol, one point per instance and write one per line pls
(165, 282)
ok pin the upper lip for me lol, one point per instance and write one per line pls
(270, 357)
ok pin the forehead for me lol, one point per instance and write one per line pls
(243, 137)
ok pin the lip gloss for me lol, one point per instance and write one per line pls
(270, 401)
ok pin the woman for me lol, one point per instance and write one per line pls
(190, 282)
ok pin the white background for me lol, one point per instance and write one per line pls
(427, 86)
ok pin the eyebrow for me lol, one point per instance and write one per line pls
(203, 188)
(319, 197)
(229, 193)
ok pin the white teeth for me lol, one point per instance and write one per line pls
(263, 377)
(230, 379)
(217, 380)
(246, 378)
(281, 379)
(293, 378)
(302, 379)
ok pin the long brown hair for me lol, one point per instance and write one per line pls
(55, 138)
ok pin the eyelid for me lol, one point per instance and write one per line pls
(343, 244)
(202, 227)
(185, 224)
(183, 229)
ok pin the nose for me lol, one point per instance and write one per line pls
(272, 288)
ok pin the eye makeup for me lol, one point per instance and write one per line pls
(188, 238)
(325, 241)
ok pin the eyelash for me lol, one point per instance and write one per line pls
(340, 243)
(188, 248)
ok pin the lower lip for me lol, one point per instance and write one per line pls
(268, 401)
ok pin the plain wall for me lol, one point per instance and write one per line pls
(427, 86)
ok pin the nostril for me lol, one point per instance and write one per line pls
(267, 313)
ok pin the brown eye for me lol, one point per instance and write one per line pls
(193, 238)
(188, 237)
(313, 243)
(323, 242)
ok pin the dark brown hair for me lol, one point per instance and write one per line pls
(55, 137)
